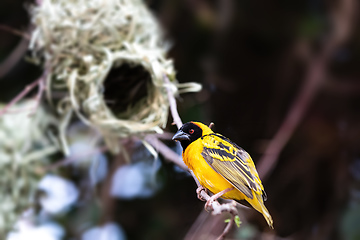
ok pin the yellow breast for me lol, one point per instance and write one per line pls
(207, 176)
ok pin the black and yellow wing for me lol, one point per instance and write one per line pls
(233, 163)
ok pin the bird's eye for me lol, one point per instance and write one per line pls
(191, 131)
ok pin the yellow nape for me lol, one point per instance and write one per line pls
(206, 130)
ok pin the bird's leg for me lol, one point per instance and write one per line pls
(214, 197)
(198, 191)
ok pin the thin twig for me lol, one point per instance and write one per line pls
(41, 89)
(13, 58)
(172, 103)
(166, 151)
(21, 95)
(308, 91)
(227, 228)
(216, 196)
(164, 135)
(14, 31)
(313, 81)
(215, 207)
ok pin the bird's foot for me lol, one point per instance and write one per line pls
(198, 191)
(209, 202)
(213, 198)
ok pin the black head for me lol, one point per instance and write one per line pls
(188, 133)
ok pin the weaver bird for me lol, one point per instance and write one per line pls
(222, 167)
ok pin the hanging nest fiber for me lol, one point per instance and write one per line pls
(24, 154)
(106, 62)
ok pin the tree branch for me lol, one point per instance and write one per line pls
(227, 228)
(39, 82)
(14, 31)
(41, 89)
(341, 17)
(215, 207)
(13, 58)
(172, 103)
(166, 151)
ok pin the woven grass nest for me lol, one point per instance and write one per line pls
(24, 155)
(106, 62)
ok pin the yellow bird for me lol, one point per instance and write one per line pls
(221, 165)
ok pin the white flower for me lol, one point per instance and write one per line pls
(46, 231)
(109, 231)
(60, 194)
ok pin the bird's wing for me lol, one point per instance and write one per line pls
(233, 163)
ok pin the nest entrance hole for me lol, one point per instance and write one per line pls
(125, 86)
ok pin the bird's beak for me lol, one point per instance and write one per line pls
(180, 135)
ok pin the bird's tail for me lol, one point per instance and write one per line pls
(258, 203)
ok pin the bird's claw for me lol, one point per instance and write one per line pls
(208, 205)
(198, 192)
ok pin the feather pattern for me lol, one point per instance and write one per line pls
(233, 163)
(220, 164)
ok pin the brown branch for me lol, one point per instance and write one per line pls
(313, 81)
(309, 89)
(164, 135)
(14, 31)
(166, 151)
(215, 207)
(345, 87)
(227, 228)
(39, 82)
(216, 197)
(14, 57)
(41, 89)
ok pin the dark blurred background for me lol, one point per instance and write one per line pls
(266, 67)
